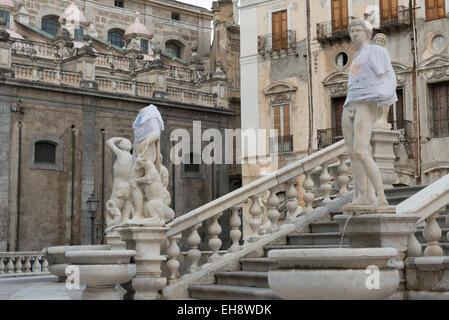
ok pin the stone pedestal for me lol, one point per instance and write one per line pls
(146, 241)
(382, 142)
(114, 239)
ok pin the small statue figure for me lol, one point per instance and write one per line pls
(235, 10)
(120, 206)
(134, 44)
(372, 84)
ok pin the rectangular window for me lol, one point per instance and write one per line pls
(144, 45)
(439, 106)
(119, 3)
(4, 14)
(175, 16)
(279, 30)
(340, 20)
(435, 9)
(337, 112)
(396, 112)
(388, 11)
(280, 121)
(79, 33)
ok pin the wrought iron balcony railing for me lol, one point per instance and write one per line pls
(391, 17)
(281, 144)
(327, 137)
(334, 29)
(276, 42)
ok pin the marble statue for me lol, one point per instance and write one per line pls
(149, 178)
(372, 84)
(120, 207)
(134, 44)
(382, 117)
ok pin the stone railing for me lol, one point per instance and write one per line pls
(140, 89)
(190, 96)
(35, 49)
(19, 263)
(178, 73)
(265, 225)
(113, 62)
(46, 75)
(428, 203)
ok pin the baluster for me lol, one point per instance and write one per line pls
(414, 247)
(255, 211)
(10, 265)
(343, 176)
(308, 192)
(273, 213)
(214, 241)
(18, 266)
(194, 255)
(432, 233)
(173, 263)
(235, 223)
(44, 264)
(36, 264)
(292, 201)
(325, 183)
(27, 265)
(2, 265)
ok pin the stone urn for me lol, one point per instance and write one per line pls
(58, 262)
(333, 274)
(102, 270)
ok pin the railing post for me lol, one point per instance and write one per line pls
(292, 201)
(44, 264)
(273, 213)
(432, 233)
(235, 223)
(27, 265)
(36, 264)
(214, 241)
(10, 265)
(256, 219)
(18, 266)
(194, 255)
(173, 263)
(2, 265)
(325, 183)
(308, 194)
(343, 176)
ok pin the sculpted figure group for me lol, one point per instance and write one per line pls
(139, 192)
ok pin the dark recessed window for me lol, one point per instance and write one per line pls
(45, 152)
(116, 37)
(191, 168)
(173, 49)
(341, 60)
(79, 33)
(5, 14)
(50, 24)
(144, 45)
(119, 3)
(175, 16)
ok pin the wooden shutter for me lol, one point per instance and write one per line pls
(435, 9)
(388, 10)
(439, 97)
(279, 30)
(337, 112)
(399, 111)
(281, 120)
(339, 15)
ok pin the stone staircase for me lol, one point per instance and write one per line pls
(251, 282)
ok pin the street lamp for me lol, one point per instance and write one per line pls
(92, 207)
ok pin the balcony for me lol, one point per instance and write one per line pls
(327, 137)
(276, 45)
(281, 144)
(334, 30)
(405, 129)
(391, 18)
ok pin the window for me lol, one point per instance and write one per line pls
(396, 113)
(279, 30)
(119, 3)
(144, 45)
(341, 60)
(173, 49)
(340, 21)
(5, 14)
(435, 9)
(439, 107)
(175, 16)
(191, 167)
(388, 11)
(50, 25)
(280, 121)
(115, 37)
(79, 33)
(45, 152)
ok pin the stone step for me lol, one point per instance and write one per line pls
(303, 246)
(324, 226)
(407, 191)
(255, 264)
(243, 278)
(325, 238)
(225, 292)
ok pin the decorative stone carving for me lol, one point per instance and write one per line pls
(280, 92)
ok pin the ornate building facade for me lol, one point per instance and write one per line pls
(74, 74)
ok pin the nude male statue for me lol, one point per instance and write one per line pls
(119, 206)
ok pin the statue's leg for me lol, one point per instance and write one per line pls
(357, 168)
(365, 117)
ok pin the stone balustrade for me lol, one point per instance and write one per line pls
(178, 73)
(190, 96)
(19, 263)
(35, 49)
(112, 62)
(264, 222)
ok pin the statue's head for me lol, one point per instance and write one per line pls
(125, 145)
(380, 39)
(360, 30)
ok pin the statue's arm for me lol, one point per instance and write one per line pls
(111, 143)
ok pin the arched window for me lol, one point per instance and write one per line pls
(5, 14)
(173, 49)
(115, 37)
(45, 152)
(50, 24)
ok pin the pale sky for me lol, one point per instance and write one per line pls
(200, 3)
